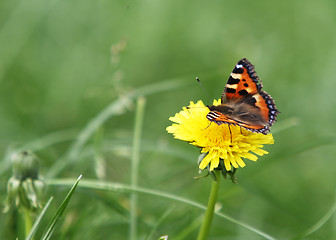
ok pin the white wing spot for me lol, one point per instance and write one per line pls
(236, 75)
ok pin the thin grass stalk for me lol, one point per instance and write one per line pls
(51, 227)
(120, 187)
(139, 116)
(115, 108)
(38, 220)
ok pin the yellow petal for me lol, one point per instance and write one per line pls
(259, 151)
(227, 164)
(206, 160)
(233, 161)
(214, 163)
(249, 156)
(240, 161)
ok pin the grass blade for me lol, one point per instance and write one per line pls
(319, 223)
(159, 221)
(60, 211)
(119, 187)
(38, 220)
(117, 107)
(139, 117)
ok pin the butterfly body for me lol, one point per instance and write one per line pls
(243, 102)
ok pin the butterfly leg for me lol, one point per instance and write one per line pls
(208, 125)
(230, 132)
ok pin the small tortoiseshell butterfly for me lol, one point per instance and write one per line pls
(244, 103)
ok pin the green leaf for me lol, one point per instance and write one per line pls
(38, 220)
(59, 212)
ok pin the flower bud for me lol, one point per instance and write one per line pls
(25, 187)
(25, 165)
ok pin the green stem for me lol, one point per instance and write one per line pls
(27, 221)
(139, 116)
(205, 228)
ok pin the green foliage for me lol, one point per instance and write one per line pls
(52, 224)
(38, 220)
(70, 74)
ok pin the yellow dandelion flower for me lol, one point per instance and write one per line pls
(231, 144)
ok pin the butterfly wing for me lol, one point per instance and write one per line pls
(243, 81)
(220, 118)
(243, 101)
(255, 113)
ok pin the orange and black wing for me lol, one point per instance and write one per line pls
(243, 102)
(243, 81)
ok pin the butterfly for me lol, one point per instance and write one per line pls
(244, 103)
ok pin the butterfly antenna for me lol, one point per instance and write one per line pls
(206, 92)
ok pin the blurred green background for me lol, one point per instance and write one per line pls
(63, 62)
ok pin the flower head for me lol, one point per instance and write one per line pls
(230, 144)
